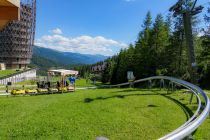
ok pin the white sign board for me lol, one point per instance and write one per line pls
(130, 76)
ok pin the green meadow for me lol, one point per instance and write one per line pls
(86, 114)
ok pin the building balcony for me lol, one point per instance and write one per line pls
(9, 10)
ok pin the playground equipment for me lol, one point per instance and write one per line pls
(61, 84)
(18, 92)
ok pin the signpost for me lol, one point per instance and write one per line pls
(130, 78)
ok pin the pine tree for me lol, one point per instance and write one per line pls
(142, 49)
(204, 58)
(161, 36)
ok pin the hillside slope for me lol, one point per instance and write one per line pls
(66, 58)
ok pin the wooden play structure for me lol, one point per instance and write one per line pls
(50, 86)
(62, 74)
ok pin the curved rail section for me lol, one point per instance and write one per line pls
(195, 121)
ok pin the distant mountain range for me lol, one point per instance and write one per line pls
(67, 58)
(44, 59)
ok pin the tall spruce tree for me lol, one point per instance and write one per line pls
(142, 58)
(161, 36)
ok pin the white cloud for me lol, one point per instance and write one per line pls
(56, 31)
(81, 44)
(201, 33)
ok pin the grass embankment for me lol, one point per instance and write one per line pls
(6, 72)
(84, 83)
(114, 113)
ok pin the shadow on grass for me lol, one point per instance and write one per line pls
(152, 106)
(89, 100)
(188, 112)
(134, 90)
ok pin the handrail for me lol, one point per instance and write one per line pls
(195, 121)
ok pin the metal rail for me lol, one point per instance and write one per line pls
(195, 121)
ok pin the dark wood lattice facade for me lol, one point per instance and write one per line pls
(17, 38)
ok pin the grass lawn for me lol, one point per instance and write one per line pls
(27, 82)
(203, 132)
(6, 72)
(83, 83)
(207, 91)
(115, 113)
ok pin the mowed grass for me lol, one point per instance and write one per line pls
(203, 132)
(84, 83)
(26, 82)
(114, 113)
(6, 72)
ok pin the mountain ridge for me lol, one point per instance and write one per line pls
(44, 59)
(67, 58)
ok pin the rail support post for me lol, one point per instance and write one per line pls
(172, 86)
(131, 84)
(162, 84)
(150, 84)
(191, 98)
(209, 114)
(190, 137)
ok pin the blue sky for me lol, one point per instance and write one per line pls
(93, 26)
